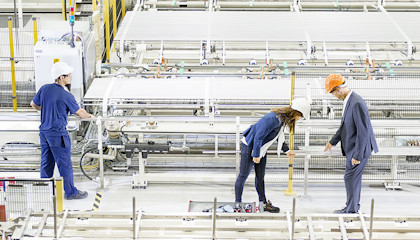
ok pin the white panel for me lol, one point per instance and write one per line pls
(158, 26)
(44, 56)
(197, 26)
(387, 89)
(350, 27)
(159, 89)
(250, 89)
(266, 26)
(409, 23)
(369, 89)
(256, 26)
(219, 88)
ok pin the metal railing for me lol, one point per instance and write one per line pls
(17, 86)
(18, 195)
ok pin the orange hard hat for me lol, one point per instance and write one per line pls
(332, 81)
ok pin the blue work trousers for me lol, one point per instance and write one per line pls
(353, 182)
(56, 149)
(245, 170)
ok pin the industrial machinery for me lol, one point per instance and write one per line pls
(193, 88)
(54, 46)
(177, 88)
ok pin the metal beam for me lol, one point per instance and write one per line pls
(41, 225)
(62, 223)
(22, 225)
(343, 228)
(409, 42)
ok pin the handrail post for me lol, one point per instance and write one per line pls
(12, 62)
(290, 190)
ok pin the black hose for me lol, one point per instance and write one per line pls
(80, 163)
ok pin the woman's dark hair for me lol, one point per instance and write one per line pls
(288, 116)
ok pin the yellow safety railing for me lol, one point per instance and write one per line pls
(123, 8)
(290, 190)
(93, 5)
(114, 17)
(12, 62)
(63, 9)
(35, 30)
(59, 193)
(107, 39)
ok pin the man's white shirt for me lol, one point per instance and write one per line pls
(345, 102)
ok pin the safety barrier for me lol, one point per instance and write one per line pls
(19, 195)
(17, 40)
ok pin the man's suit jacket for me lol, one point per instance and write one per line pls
(355, 132)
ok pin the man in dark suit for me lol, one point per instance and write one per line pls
(356, 136)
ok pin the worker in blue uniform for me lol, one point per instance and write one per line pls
(254, 145)
(55, 102)
(356, 136)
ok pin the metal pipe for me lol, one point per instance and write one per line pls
(20, 13)
(55, 217)
(273, 47)
(213, 226)
(93, 155)
(134, 217)
(306, 174)
(312, 5)
(371, 219)
(234, 66)
(293, 218)
(269, 75)
(216, 145)
(238, 148)
(16, 26)
(101, 159)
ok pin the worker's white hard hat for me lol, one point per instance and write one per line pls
(302, 105)
(60, 68)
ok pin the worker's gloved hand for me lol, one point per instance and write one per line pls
(328, 147)
(291, 153)
(256, 160)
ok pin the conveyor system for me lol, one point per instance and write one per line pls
(226, 39)
(50, 6)
(231, 96)
(281, 5)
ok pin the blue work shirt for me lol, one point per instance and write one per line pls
(262, 132)
(55, 104)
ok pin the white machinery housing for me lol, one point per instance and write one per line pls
(53, 48)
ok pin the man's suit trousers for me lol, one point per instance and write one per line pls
(353, 181)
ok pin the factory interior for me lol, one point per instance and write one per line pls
(172, 88)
